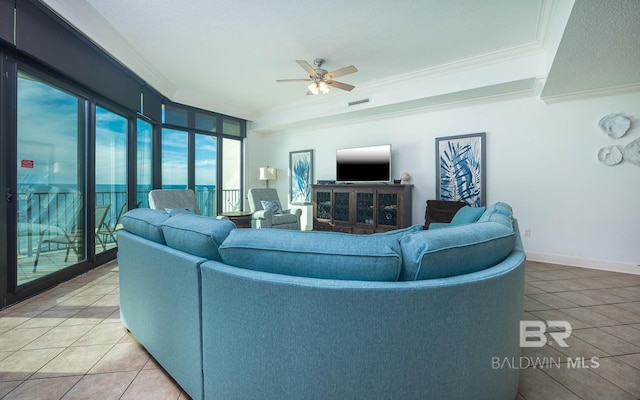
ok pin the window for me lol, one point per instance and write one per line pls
(205, 122)
(232, 127)
(205, 157)
(206, 173)
(174, 159)
(232, 199)
(143, 163)
(50, 189)
(175, 115)
(49, 131)
(111, 175)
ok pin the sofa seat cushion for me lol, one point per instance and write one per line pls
(197, 234)
(326, 255)
(457, 250)
(146, 223)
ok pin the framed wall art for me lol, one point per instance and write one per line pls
(300, 176)
(460, 168)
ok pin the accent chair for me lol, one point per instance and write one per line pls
(268, 213)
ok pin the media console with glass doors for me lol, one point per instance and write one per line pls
(361, 208)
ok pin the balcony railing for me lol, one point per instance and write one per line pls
(62, 209)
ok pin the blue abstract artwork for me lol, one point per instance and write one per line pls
(460, 167)
(301, 175)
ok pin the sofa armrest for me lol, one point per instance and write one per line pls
(262, 214)
(263, 219)
(297, 212)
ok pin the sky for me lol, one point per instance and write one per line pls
(48, 143)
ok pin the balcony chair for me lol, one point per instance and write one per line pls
(168, 200)
(70, 236)
(108, 230)
(268, 213)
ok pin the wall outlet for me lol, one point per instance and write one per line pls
(527, 232)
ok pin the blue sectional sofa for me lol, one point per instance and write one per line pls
(272, 314)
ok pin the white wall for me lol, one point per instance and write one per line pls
(541, 159)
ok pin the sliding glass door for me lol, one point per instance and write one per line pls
(50, 175)
(111, 176)
(206, 173)
(232, 175)
(143, 163)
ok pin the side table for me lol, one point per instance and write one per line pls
(242, 219)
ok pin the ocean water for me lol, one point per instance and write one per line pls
(41, 203)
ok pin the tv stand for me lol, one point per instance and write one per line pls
(361, 208)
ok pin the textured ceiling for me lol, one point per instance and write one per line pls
(600, 49)
(226, 55)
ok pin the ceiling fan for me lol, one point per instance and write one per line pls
(321, 79)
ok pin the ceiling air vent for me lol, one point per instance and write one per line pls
(353, 103)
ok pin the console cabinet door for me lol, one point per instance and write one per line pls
(365, 209)
(361, 208)
(387, 210)
(322, 209)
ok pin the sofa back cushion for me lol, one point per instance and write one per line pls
(145, 222)
(400, 233)
(498, 208)
(326, 255)
(457, 250)
(197, 234)
(467, 215)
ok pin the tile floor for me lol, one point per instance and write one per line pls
(604, 311)
(68, 343)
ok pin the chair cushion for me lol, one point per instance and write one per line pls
(272, 206)
(456, 250)
(173, 198)
(145, 222)
(278, 219)
(181, 210)
(467, 215)
(326, 255)
(197, 234)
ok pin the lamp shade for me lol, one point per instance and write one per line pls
(313, 88)
(267, 174)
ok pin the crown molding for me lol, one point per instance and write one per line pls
(586, 94)
(523, 88)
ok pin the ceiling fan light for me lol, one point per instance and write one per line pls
(324, 88)
(313, 88)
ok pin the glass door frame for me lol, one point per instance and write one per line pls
(10, 291)
(8, 178)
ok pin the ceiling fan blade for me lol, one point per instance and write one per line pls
(341, 72)
(340, 85)
(293, 80)
(307, 68)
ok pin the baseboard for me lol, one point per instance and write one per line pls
(604, 265)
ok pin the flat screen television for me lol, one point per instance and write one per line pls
(364, 164)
